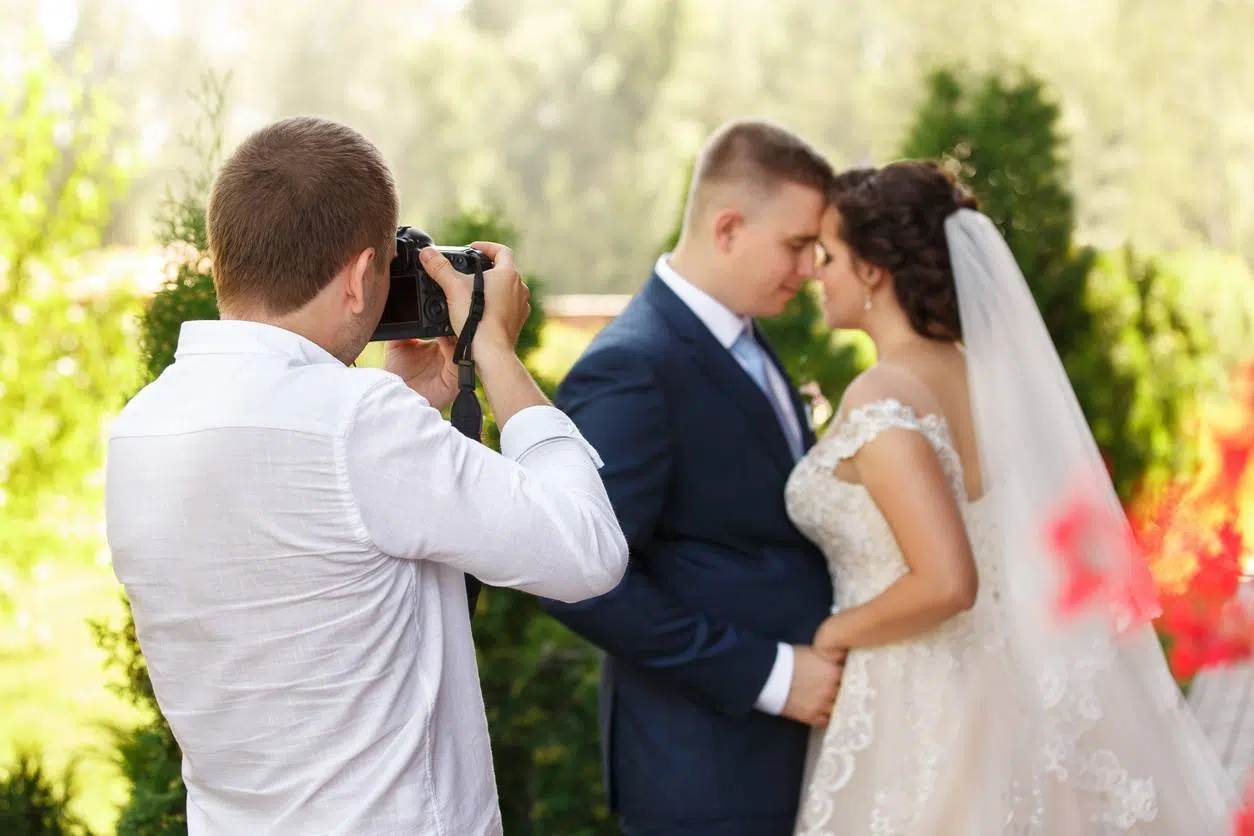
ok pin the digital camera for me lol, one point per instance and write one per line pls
(416, 307)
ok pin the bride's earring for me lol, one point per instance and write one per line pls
(866, 306)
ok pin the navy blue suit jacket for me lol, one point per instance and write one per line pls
(695, 465)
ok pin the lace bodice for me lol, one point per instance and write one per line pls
(920, 722)
(843, 520)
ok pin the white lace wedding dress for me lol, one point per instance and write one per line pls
(942, 735)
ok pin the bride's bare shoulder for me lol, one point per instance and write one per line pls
(886, 384)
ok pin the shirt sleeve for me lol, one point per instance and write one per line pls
(534, 517)
(774, 694)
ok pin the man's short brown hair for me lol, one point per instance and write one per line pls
(291, 206)
(761, 155)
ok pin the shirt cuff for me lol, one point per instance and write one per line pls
(537, 425)
(775, 692)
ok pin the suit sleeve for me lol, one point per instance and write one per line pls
(615, 402)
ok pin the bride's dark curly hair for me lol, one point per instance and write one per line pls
(894, 218)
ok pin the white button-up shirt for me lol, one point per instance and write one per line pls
(292, 535)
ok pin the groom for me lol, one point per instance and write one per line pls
(709, 683)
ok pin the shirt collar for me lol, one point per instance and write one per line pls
(238, 336)
(725, 325)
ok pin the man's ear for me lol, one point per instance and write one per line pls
(355, 274)
(727, 224)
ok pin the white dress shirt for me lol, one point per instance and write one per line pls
(726, 327)
(292, 535)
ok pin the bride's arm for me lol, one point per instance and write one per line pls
(901, 471)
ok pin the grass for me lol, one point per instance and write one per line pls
(53, 685)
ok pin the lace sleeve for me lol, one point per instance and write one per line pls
(863, 424)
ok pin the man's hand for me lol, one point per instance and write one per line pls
(815, 680)
(426, 366)
(507, 383)
(505, 295)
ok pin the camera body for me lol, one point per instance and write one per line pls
(416, 307)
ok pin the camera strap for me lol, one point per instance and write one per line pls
(467, 414)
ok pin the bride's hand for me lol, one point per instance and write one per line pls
(829, 641)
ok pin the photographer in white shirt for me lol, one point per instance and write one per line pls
(292, 532)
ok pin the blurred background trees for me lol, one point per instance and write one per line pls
(64, 340)
(1136, 353)
(576, 119)
(1109, 139)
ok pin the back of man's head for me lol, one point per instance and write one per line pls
(291, 206)
(746, 161)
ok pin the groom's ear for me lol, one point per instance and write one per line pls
(727, 224)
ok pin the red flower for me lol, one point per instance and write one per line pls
(1234, 457)
(1243, 820)
(1080, 584)
(1100, 563)
(1205, 635)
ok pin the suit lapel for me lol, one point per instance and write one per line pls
(721, 368)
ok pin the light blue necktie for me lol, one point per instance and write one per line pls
(753, 359)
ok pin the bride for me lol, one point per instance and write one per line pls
(966, 706)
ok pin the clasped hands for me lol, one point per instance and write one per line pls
(816, 674)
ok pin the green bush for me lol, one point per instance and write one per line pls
(812, 352)
(187, 293)
(34, 803)
(1218, 288)
(540, 689)
(147, 754)
(1134, 354)
(1150, 359)
(66, 361)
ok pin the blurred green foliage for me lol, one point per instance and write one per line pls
(1129, 332)
(1217, 287)
(66, 337)
(149, 757)
(812, 352)
(579, 126)
(36, 803)
(1151, 360)
(188, 292)
(1136, 356)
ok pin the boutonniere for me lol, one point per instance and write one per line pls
(818, 408)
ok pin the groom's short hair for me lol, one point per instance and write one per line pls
(760, 156)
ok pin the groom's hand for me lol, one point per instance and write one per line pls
(815, 680)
